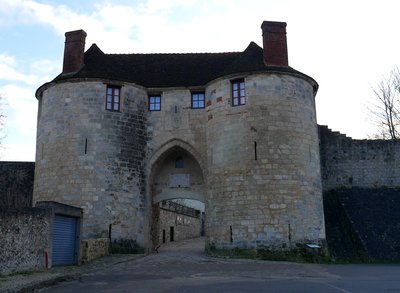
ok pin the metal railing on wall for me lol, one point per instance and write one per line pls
(180, 209)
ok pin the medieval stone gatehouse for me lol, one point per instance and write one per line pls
(118, 133)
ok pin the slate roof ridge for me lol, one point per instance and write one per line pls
(172, 54)
(94, 47)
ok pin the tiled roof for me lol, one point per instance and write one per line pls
(172, 70)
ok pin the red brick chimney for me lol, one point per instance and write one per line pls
(73, 51)
(274, 42)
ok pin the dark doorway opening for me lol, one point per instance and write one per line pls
(171, 233)
(163, 236)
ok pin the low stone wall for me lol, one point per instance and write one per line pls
(94, 248)
(24, 238)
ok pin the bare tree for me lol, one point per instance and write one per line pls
(385, 110)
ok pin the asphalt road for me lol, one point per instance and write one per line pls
(183, 267)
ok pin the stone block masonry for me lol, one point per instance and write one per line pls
(252, 154)
(363, 177)
(348, 163)
(94, 248)
(92, 158)
(177, 227)
(263, 162)
(256, 166)
(254, 159)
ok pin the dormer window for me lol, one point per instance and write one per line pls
(238, 92)
(113, 98)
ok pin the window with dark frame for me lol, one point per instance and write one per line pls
(198, 100)
(113, 98)
(154, 103)
(238, 92)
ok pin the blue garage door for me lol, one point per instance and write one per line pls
(64, 241)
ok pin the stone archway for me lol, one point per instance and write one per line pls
(176, 173)
(176, 143)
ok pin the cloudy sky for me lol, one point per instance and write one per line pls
(347, 46)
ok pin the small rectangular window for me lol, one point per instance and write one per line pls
(154, 103)
(113, 98)
(198, 100)
(238, 92)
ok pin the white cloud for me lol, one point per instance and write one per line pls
(7, 60)
(44, 70)
(19, 105)
(8, 71)
(18, 151)
(20, 108)
(344, 45)
(39, 71)
(11, 13)
(163, 6)
(150, 26)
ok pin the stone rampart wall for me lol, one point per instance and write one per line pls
(24, 239)
(348, 163)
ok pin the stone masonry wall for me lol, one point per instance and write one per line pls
(175, 130)
(16, 187)
(94, 248)
(25, 236)
(259, 161)
(93, 158)
(347, 163)
(185, 227)
(374, 216)
(363, 176)
(263, 161)
(164, 186)
(177, 121)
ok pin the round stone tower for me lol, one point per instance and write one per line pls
(264, 184)
(90, 153)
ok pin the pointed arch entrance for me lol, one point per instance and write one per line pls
(177, 191)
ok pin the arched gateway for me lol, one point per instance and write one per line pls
(119, 134)
(176, 173)
(175, 177)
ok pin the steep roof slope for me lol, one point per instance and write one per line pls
(172, 70)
